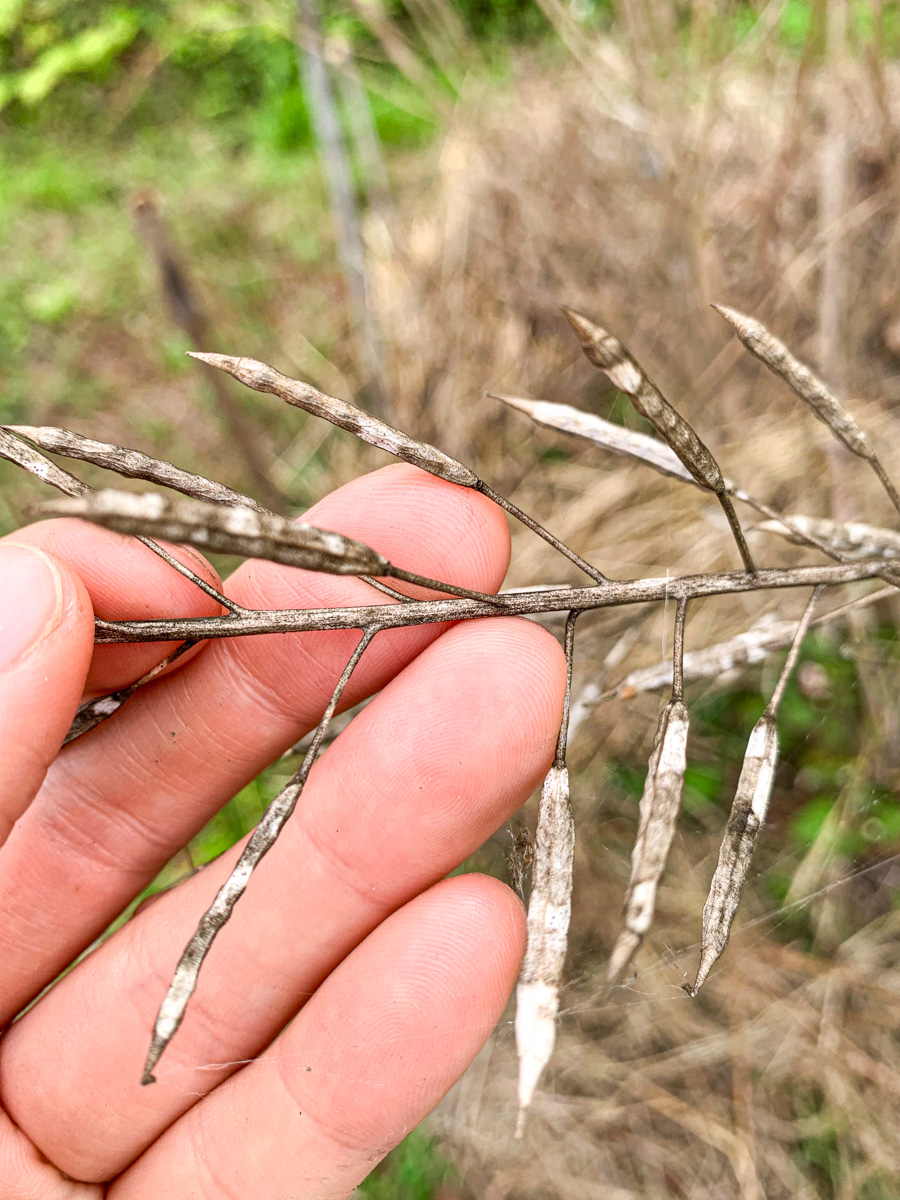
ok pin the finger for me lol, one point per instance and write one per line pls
(119, 803)
(383, 1039)
(46, 638)
(125, 581)
(26, 1174)
(415, 784)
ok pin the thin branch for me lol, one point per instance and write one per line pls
(338, 174)
(188, 314)
(549, 538)
(263, 838)
(569, 645)
(615, 593)
(791, 661)
(678, 651)
(93, 712)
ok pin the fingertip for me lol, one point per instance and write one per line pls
(490, 910)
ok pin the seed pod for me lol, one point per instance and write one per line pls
(225, 530)
(132, 464)
(549, 909)
(800, 379)
(748, 813)
(93, 712)
(608, 353)
(234, 530)
(602, 433)
(16, 451)
(853, 538)
(659, 808)
(263, 378)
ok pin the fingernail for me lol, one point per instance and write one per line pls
(30, 600)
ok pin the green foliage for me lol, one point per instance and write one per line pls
(415, 1170)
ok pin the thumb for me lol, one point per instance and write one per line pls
(46, 641)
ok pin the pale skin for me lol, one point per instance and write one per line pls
(354, 983)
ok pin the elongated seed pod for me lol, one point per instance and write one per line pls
(660, 803)
(608, 353)
(261, 840)
(244, 531)
(263, 378)
(853, 538)
(748, 813)
(226, 530)
(131, 463)
(594, 429)
(23, 455)
(649, 450)
(799, 378)
(549, 909)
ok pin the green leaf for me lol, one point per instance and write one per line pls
(89, 49)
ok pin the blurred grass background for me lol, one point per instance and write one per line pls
(163, 181)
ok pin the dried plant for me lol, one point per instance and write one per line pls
(660, 805)
(216, 518)
(748, 812)
(608, 353)
(811, 390)
(549, 909)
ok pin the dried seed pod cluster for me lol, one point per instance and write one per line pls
(215, 517)
(263, 378)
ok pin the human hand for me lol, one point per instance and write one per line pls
(391, 976)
